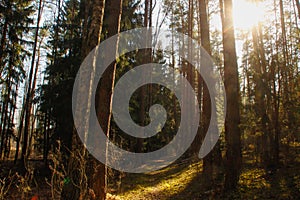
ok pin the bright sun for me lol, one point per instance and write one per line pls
(246, 14)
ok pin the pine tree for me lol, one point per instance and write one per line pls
(16, 17)
(232, 121)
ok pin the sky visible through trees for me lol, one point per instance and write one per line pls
(254, 44)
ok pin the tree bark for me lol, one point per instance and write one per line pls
(205, 42)
(298, 7)
(232, 121)
(77, 165)
(96, 172)
(105, 94)
(142, 96)
(20, 129)
(259, 72)
(28, 100)
(2, 44)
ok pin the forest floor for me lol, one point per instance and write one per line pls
(180, 181)
(184, 181)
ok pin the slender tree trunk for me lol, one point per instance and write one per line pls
(142, 95)
(31, 135)
(275, 71)
(286, 74)
(5, 113)
(11, 120)
(190, 69)
(260, 97)
(276, 124)
(6, 133)
(205, 42)
(3, 125)
(1, 131)
(173, 66)
(2, 44)
(97, 180)
(232, 121)
(285, 51)
(28, 101)
(105, 95)
(8, 130)
(45, 147)
(3, 39)
(298, 7)
(187, 68)
(92, 29)
(20, 129)
(32, 93)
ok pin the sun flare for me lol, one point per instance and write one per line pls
(246, 14)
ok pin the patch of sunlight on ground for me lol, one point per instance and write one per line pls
(295, 144)
(297, 182)
(252, 184)
(253, 178)
(161, 184)
(284, 188)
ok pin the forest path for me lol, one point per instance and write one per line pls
(184, 181)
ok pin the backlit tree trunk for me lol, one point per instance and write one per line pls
(96, 171)
(78, 188)
(298, 7)
(29, 96)
(232, 121)
(104, 97)
(142, 95)
(205, 42)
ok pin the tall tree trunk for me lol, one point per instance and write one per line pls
(97, 180)
(105, 95)
(2, 44)
(174, 100)
(11, 120)
(232, 121)
(275, 71)
(142, 95)
(46, 140)
(4, 116)
(20, 129)
(5, 120)
(260, 96)
(285, 54)
(276, 125)
(6, 133)
(32, 93)
(28, 101)
(298, 7)
(287, 75)
(92, 29)
(205, 42)
(4, 37)
(187, 68)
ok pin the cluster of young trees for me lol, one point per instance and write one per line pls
(19, 45)
(262, 87)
